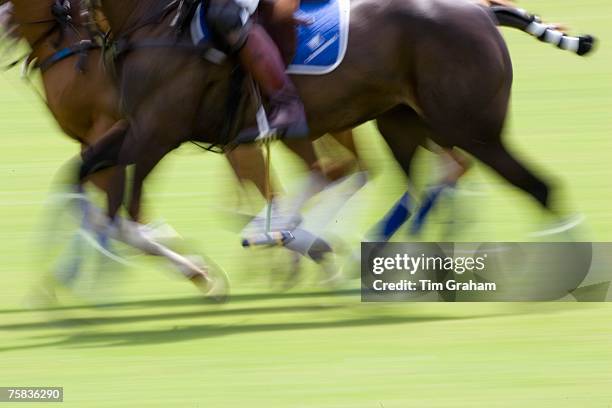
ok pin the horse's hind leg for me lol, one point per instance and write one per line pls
(467, 106)
(481, 136)
(404, 131)
(497, 156)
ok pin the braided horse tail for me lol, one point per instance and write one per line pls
(508, 16)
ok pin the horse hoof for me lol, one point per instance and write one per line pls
(212, 281)
(333, 277)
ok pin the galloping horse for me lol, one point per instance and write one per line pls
(80, 93)
(437, 67)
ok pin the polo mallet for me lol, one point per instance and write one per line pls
(266, 136)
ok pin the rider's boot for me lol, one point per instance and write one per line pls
(261, 58)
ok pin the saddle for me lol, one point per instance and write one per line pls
(313, 48)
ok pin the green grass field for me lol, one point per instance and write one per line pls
(156, 345)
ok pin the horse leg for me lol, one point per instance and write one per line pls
(248, 163)
(467, 106)
(488, 147)
(347, 140)
(404, 131)
(454, 165)
(495, 155)
(142, 169)
(472, 117)
(104, 156)
(289, 217)
(104, 153)
(142, 150)
(305, 242)
(317, 181)
(339, 161)
(96, 160)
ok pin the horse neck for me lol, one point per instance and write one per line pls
(124, 14)
(35, 20)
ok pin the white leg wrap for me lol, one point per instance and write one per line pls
(286, 212)
(332, 199)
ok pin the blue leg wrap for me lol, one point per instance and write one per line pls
(429, 202)
(393, 220)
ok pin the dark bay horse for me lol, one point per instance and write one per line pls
(438, 68)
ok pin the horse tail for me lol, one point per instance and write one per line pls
(531, 24)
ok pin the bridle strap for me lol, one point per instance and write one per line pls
(80, 49)
(61, 18)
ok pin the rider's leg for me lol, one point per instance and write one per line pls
(260, 56)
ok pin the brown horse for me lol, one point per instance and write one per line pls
(80, 93)
(455, 164)
(396, 71)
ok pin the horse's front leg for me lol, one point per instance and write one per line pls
(104, 153)
(99, 163)
(145, 155)
(317, 179)
(307, 240)
(248, 164)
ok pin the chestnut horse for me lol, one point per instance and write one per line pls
(81, 95)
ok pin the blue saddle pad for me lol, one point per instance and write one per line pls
(322, 41)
